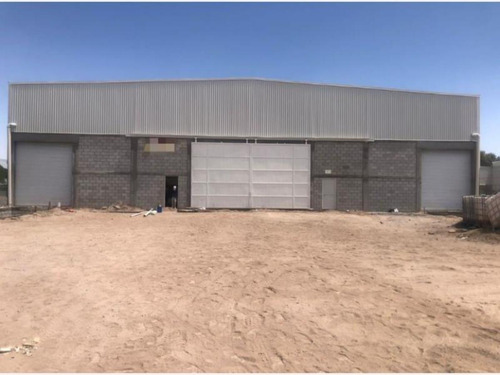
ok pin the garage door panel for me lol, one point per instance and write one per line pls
(227, 150)
(301, 190)
(227, 202)
(301, 202)
(302, 164)
(228, 176)
(198, 201)
(301, 152)
(199, 176)
(301, 177)
(272, 202)
(277, 151)
(198, 189)
(446, 177)
(199, 151)
(229, 189)
(272, 164)
(251, 175)
(198, 162)
(273, 190)
(272, 176)
(228, 163)
(43, 173)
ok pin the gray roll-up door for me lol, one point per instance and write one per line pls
(43, 173)
(446, 178)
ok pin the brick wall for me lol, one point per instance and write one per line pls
(373, 176)
(392, 176)
(165, 163)
(349, 194)
(316, 193)
(102, 166)
(105, 172)
(342, 158)
(150, 191)
(184, 193)
(392, 159)
(97, 190)
(152, 167)
(103, 154)
(384, 194)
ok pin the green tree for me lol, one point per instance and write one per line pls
(487, 159)
(3, 174)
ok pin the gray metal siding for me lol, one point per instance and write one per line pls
(43, 173)
(241, 108)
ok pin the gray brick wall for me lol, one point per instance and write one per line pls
(152, 164)
(316, 193)
(392, 180)
(104, 154)
(392, 159)
(104, 172)
(349, 194)
(342, 158)
(102, 167)
(184, 193)
(389, 178)
(150, 191)
(387, 193)
(165, 163)
(97, 190)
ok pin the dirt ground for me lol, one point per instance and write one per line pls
(248, 291)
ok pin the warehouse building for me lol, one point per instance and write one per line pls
(241, 143)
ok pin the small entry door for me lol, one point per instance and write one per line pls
(329, 194)
(171, 189)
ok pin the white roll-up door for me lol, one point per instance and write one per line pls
(446, 178)
(43, 173)
(250, 175)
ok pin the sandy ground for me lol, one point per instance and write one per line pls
(248, 291)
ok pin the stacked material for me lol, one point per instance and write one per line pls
(493, 210)
(474, 210)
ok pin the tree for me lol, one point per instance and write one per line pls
(3, 174)
(488, 159)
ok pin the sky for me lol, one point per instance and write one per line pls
(444, 47)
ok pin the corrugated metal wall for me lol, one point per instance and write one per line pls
(241, 108)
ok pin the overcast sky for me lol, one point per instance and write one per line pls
(446, 47)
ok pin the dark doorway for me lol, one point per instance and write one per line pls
(171, 188)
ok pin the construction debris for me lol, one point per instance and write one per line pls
(25, 348)
(493, 210)
(120, 207)
(150, 212)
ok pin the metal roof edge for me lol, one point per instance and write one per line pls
(246, 79)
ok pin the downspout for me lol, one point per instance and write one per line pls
(478, 147)
(477, 138)
(11, 126)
